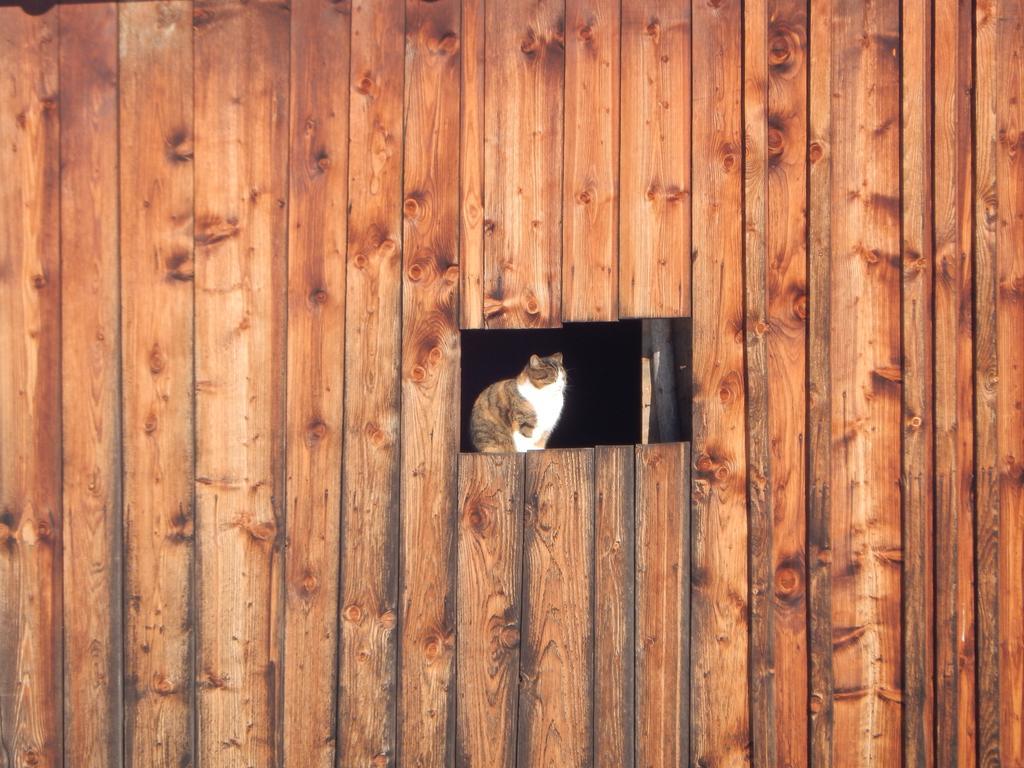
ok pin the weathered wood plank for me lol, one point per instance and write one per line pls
(614, 594)
(954, 686)
(317, 236)
(369, 526)
(524, 78)
(430, 384)
(720, 721)
(662, 605)
(866, 385)
(156, 230)
(986, 376)
(1010, 373)
(90, 391)
(30, 394)
(471, 166)
(241, 156)
(556, 678)
(654, 203)
(489, 594)
(775, 109)
(819, 374)
(590, 213)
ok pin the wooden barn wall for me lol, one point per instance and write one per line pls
(238, 239)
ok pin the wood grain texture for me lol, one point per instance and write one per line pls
(775, 109)
(919, 355)
(819, 374)
(156, 239)
(662, 605)
(866, 385)
(556, 677)
(490, 552)
(1010, 373)
(590, 211)
(317, 236)
(241, 156)
(523, 123)
(370, 474)
(471, 165)
(720, 719)
(954, 685)
(986, 378)
(90, 389)
(430, 384)
(655, 156)
(30, 392)
(614, 593)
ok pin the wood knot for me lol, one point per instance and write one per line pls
(364, 86)
(780, 49)
(451, 274)
(508, 637)
(489, 226)
(789, 580)
(800, 306)
(157, 361)
(309, 585)
(315, 432)
(584, 197)
(39, 281)
(532, 306)
(728, 157)
(179, 147)
(359, 261)
(653, 30)
(161, 685)
(530, 43)
(434, 355)
(150, 425)
(478, 517)
(914, 422)
(585, 33)
(414, 273)
(201, 17)
(375, 434)
(353, 614)
(411, 208)
(675, 195)
(322, 161)
(815, 151)
(776, 142)
(180, 267)
(387, 620)
(388, 247)
(418, 374)
(317, 297)
(447, 44)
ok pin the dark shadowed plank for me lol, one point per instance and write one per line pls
(90, 371)
(241, 156)
(471, 166)
(556, 678)
(614, 629)
(819, 396)
(369, 526)
(430, 384)
(489, 592)
(30, 391)
(524, 69)
(986, 381)
(954, 685)
(590, 214)
(866, 385)
(917, 478)
(1010, 373)
(157, 381)
(662, 605)
(654, 269)
(720, 718)
(317, 234)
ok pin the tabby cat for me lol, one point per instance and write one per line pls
(519, 414)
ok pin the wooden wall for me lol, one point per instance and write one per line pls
(237, 241)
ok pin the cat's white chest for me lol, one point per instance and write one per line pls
(547, 402)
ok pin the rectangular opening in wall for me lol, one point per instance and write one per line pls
(625, 379)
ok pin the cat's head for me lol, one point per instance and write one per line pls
(545, 371)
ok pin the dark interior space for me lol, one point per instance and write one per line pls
(603, 364)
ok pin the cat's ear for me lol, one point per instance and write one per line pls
(534, 361)
(557, 357)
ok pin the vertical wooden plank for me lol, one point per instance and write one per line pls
(916, 479)
(662, 605)
(614, 594)
(866, 384)
(241, 115)
(369, 532)
(775, 109)
(1010, 373)
(471, 166)
(156, 228)
(30, 394)
(556, 681)
(430, 384)
(590, 213)
(90, 371)
(524, 79)
(720, 722)
(954, 686)
(986, 376)
(819, 374)
(489, 593)
(654, 207)
(317, 234)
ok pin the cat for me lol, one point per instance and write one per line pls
(518, 415)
